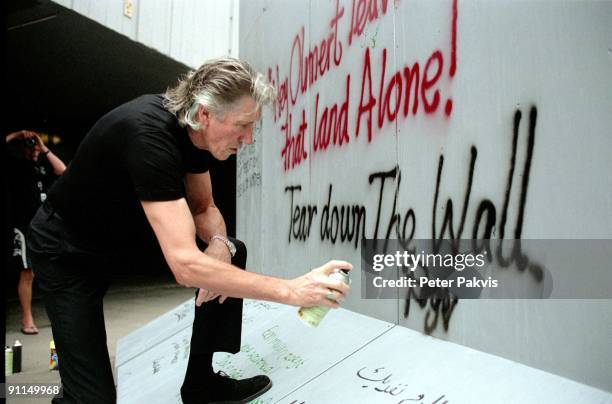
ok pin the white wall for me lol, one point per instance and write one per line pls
(552, 58)
(190, 31)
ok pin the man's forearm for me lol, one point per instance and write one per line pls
(209, 222)
(200, 270)
(173, 224)
(58, 165)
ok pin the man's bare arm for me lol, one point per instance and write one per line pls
(207, 217)
(175, 230)
(208, 221)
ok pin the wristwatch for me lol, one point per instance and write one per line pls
(230, 246)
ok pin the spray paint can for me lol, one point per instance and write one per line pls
(53, 360)
(17, 356)
(312, 316)
(8, 361)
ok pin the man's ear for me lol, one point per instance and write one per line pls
(203, 116)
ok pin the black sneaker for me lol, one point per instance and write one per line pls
(222, 389)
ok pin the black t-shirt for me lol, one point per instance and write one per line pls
(27, 185)
(135, 152)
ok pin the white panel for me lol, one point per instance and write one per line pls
(155, 24)
(250, 15)
(498, 74)
(110, 14)
(248, 201)
(129, 26)
(276, 54)
(552, 58)
(200, 31)
(222, 28)
(65, 3)
(98, 10)
(235, 28)
(152, 360)
(158, 330)
(341, 186)
(277, 344)
(81, 6)
(156, 375)
(187, 33)
(249, 224)
(249, 163)
(316, 169)
(190, 31)
(117, 21)
(178, 25)
(403, 366)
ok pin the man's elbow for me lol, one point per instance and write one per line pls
(182, 267)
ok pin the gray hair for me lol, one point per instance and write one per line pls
(216, 85)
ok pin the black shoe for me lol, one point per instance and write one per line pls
(222, 389)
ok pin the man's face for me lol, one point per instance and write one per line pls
(223, 135)
(31, 153)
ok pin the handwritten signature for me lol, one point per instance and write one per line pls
(384, 385)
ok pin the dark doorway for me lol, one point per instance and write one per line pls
(64, 71)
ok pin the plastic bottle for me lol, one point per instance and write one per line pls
(8, 361)
(53, 360)
(17, 348)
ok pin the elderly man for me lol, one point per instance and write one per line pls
(142, 167)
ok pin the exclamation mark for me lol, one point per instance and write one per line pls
(453, 65)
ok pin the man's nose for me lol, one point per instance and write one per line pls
(247, 138)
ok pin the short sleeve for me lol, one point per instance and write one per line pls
(155, 166)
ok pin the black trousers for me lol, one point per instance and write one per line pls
(73, 284)
(218, 327)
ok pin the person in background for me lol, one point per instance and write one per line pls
(32, 168)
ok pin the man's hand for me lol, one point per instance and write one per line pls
(217, 250)
(25, 135)
(20, 134)
(40, 145)
(207, 295)
(317, 289)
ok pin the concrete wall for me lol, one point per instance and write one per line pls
(190, 31)
(487, 72)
